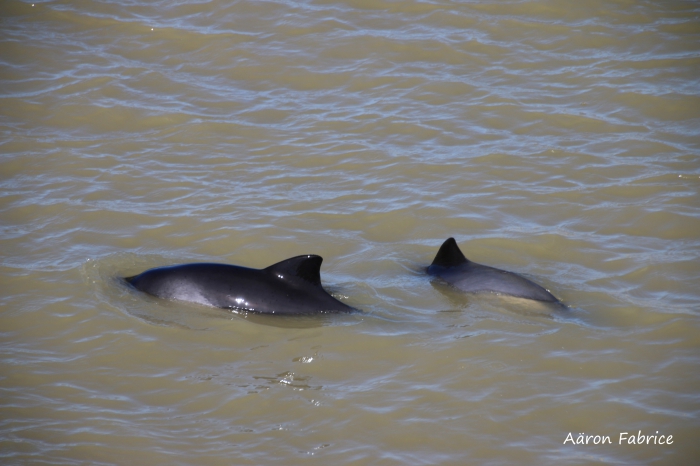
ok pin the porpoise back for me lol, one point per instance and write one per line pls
(290, 287)
(453, 267)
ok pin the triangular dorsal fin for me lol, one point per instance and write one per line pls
(449, 254)
(306, 267)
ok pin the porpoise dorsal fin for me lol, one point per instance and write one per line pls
(307, 267)
(449, 254)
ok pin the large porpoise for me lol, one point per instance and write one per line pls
(451, 265)
(290, 287)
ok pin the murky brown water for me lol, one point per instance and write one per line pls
(559, 140)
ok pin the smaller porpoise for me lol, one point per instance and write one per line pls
(451, 265)
(290, 287)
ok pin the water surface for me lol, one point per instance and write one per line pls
(556, 140)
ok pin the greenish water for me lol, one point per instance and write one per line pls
(556, 140)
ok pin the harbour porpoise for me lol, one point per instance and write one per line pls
(290, 287)
(451, 265)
